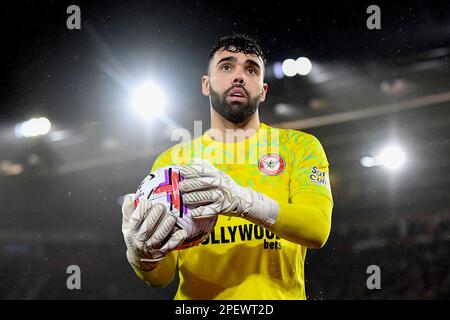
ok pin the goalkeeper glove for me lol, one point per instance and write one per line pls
(212, 191)
(147, 231)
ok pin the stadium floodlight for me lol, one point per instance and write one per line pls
(33, 128)
(392, 157)
(304, 66)
(289, 67)
(148, 100)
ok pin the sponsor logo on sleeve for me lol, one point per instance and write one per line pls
(318, 177)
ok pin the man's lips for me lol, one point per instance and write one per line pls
(237, 95)
(238, 92)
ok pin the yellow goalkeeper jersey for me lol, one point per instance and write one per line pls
(240, 260)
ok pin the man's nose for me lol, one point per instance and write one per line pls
(238, 78)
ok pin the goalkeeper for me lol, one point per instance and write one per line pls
(269, 187)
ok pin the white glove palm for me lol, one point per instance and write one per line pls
(147, 231)
(212, 191)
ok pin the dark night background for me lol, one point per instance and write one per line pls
(368, 88)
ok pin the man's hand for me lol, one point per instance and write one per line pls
(148, 232)
(212, 191)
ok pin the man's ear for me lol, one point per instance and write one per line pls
(262, 96)
(205, 85)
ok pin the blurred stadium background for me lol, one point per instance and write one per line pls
(367, 90)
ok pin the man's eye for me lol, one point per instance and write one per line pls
(226, 67)
(252, 71)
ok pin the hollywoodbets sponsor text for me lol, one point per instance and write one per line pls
(245, 232)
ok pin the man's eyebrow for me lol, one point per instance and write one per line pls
(253, 63)
(230, 58)
(234, 59)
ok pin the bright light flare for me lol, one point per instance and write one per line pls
(289, 67)
(304, 66)
(33, 128)
(392, 157)
(148, 100)
(368, 162)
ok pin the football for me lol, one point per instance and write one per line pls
(161, 186)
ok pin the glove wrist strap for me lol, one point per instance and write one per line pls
(139, 263)
(264, 210)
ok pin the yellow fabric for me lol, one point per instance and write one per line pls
(240, 260)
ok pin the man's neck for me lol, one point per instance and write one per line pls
(223, 130)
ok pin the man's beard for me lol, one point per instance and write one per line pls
(234, 112)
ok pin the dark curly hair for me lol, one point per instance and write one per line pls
(238, 43)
